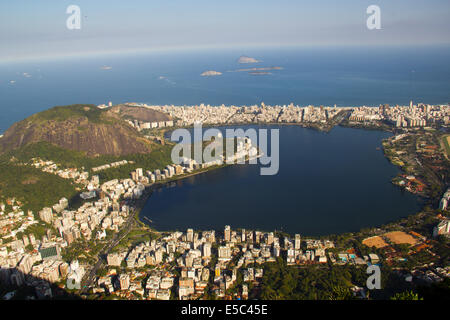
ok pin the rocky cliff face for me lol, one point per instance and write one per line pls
(81, 128)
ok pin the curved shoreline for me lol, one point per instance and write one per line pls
(162, 184)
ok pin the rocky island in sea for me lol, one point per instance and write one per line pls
(211, 73)
(245, 59)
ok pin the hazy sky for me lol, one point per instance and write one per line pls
(37, 28)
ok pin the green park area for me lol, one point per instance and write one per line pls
(446, 142)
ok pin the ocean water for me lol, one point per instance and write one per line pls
(327, 183)
(320, 76)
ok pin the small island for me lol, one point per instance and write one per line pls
(211, 73)
(245, 59)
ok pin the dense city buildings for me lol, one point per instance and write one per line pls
(199, 264)
(206, 114)
(414, 115)
(420, 115)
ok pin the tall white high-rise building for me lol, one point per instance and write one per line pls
(270, 238)
(297, 242)
(190, 235)
(227, 233)
(207, 249)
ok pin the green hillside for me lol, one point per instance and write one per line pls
(61, 113)
(83, 128)
(34, 188)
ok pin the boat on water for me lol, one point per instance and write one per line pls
(149, 220)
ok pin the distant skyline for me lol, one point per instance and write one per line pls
(37, 29)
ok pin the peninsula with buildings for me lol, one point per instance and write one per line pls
(70, 226)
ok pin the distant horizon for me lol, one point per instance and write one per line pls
(242, 48)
